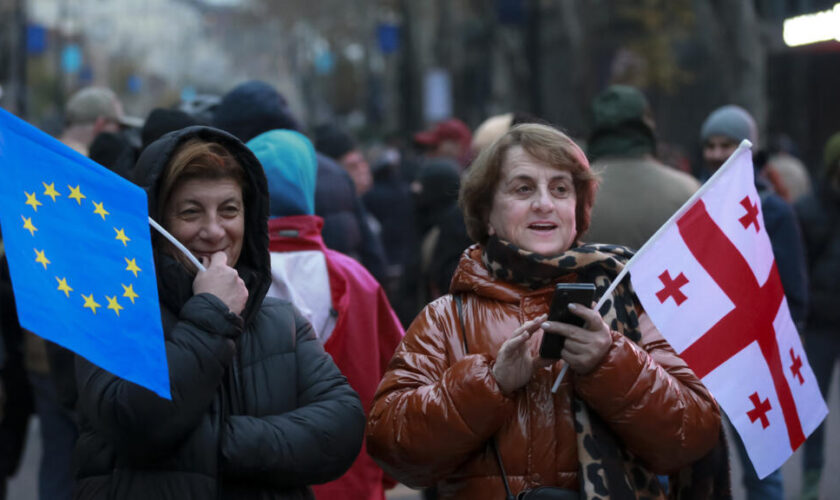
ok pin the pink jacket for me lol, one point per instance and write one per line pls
(365, 334)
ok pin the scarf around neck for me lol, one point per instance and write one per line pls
(588, 263)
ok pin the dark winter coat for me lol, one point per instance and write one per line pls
(258, 409)
(345, 229)
(786, 240)
(820, 218)
(389, 200)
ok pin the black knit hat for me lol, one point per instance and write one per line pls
(252, 108)
(333, 141)
(162, 121)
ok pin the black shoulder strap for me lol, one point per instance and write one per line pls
(459, 308)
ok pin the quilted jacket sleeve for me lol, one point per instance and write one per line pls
(430, 415)
(653, 401)
(144, 425)
(315, 443)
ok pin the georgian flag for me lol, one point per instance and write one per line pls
(708, 281)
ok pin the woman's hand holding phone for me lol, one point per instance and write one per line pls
(574, 332)
(585, 346)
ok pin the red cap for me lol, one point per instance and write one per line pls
(452, 129)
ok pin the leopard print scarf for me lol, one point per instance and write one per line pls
(607, 470)
(592, 263)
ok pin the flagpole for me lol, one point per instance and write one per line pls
(744, 146)
(177, 244)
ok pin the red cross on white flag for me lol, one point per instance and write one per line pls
(708, 281)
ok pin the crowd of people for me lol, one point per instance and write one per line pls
(371, 315)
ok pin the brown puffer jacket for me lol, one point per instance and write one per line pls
(436, 408)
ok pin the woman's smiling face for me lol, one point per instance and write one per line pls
(534, 205)
(208, 216)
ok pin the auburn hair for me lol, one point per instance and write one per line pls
(198, 159)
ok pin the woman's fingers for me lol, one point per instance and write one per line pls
(532, 326)
(591, 316)
(519, 340)
(585, 346)
(522, 334)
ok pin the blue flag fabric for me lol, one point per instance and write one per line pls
(78, 244)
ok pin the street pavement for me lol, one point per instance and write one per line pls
(24, 486)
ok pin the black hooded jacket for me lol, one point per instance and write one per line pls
(258, 409)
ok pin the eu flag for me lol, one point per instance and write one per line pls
(79, 248)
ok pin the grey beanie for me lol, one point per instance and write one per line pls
(730, 121)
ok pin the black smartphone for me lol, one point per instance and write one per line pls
(565, 294)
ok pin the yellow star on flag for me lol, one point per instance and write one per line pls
(129, 292)
(27, 224)
(113, 304)
(50, 190)
(76, 193)
(122, 237)
(90, 303)
(32, 201)
(41, 258)
(100, 210)
(63, 286)
(132, 266)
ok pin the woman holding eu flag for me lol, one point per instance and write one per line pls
(258, 409)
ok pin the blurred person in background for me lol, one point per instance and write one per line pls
(450, 139)
(89, 112)
(437, 219)
(114, 152)
(390, 201)
(721, 133)
(345, 305)
(622, 148)
(258, 409)
(335, 142)
(161, 121)
(819, 214)
(254, 107)
(118, 154)
(498, 125)
(789, 177)
(467, 404)
(489, 130)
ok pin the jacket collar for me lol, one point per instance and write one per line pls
(472, 276)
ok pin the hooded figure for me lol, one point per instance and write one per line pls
(346, 306)
(258, 409)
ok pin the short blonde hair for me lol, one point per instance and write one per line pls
(542, 142)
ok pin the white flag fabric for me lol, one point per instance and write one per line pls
(708, 281)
